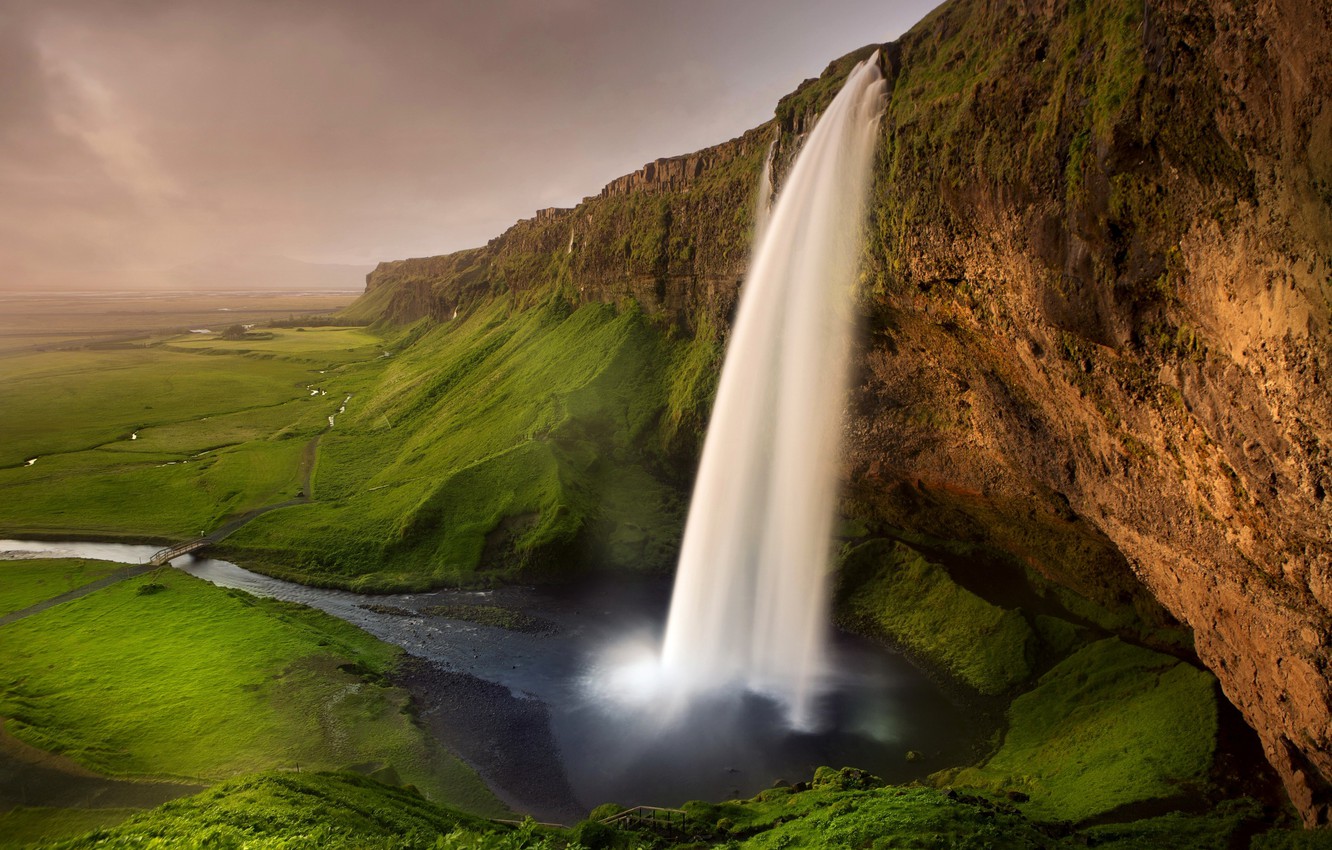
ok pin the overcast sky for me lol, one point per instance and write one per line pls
(141, 137)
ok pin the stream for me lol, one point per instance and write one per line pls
(527, 709)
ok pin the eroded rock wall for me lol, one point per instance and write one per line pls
(1100, 298)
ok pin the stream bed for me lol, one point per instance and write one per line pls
(526, 705)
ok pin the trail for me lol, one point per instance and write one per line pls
(226, 529)
(76, 593)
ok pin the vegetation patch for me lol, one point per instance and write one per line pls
(890, 589)
(500, 445)
(195, 682)
(493, 615)
(33, 826)
(306, 810)
(163, 442)
(27, 582)
(1111, 725)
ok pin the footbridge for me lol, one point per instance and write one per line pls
(179, 549)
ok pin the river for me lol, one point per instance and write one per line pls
(526, 710)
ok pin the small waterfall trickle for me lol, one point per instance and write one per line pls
(750, 605)
(763, 207)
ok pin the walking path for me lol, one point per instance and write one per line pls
(160, 559)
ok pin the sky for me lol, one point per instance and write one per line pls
(152, 144)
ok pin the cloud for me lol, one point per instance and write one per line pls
(142, 135)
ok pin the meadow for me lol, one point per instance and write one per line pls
(168, 439)
(166, 677)
(24, 583)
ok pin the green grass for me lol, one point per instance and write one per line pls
(497, 446)
(887, 588)
(199, 683)
(69, 401)
(318, 345)
(1225, 826)
(117, 493)
(888, 817)
(216, 435)
(1112, 724)
(307, 811)
(24, 583)
(30, 825)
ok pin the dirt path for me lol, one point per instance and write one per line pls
(39, 607)
(222, 531)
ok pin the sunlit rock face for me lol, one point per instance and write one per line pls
(1097, 299)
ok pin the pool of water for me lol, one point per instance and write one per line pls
(534, 712)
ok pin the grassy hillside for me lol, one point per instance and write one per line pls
(166, 676)
(304, 810)
(497, 445)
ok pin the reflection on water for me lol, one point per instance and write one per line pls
(877, 708)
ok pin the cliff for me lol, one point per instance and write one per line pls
(673, 236)
(1098, 279)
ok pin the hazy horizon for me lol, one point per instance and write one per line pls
(160, 145)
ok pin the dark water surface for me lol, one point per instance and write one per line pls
(529, 711)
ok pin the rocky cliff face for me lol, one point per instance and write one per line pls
(673, 236)
(1097, 293)
(1100, 293)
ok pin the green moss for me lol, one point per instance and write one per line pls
(890, 589)
(1058, 636)
(878, 817)
(1226, 826)
(1111, 725)
(1294, 839)
(304, 810)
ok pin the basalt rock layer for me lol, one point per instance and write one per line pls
(1098, 284)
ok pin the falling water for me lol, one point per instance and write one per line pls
(750, 606)
(763, 208)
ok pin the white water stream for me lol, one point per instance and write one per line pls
(750, 605)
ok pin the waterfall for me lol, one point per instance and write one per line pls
(763, 208)
(750, 605)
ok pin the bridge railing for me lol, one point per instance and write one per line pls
(164, 555)
(654, 817)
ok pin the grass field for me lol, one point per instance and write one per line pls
(325, 346)
(24, 583)
(166, 443)
(497, 446)
(167, 676)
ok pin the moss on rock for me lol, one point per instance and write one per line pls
(888, 588)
